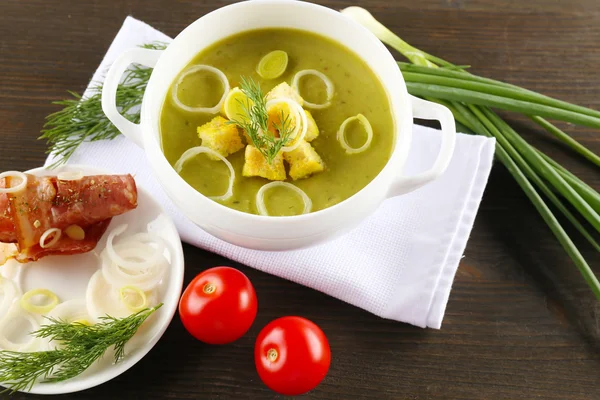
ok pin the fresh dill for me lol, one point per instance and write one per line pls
(82, 119)
(257, 122)
(81, 345)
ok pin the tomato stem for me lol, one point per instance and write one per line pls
(209, 288)
(272, 355)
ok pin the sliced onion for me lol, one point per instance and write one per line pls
(150, 257)
(8, 321)
(14, 174)
(36, 308)
(193, 152)
(11, 269)
(209, 110)
(260, 197)
(103, 299)
(341, 134)
(10, 292)
(70, 176)
(70, 311)
(328, 84)
(55, 238)
(146, 279)
(300, 120)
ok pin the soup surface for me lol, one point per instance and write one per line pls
(356, 91)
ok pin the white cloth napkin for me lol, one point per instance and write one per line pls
(399, 264)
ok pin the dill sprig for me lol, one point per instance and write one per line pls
(81, 346)
(82, 119)
(257, 122)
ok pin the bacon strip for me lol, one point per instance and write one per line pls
(92, 199)
(47, 202)
(30, 205)
(66, 245)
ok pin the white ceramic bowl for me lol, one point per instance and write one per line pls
(262, 232)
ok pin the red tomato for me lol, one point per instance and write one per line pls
(218, 306)
(292, 355)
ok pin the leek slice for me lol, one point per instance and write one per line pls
(260, 197)
(328, 86)
(341, 134)
(196, 68)
(49, 304)
(273, 65)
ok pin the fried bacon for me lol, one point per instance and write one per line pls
(47, 202)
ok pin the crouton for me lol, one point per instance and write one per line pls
(303, 161)
(313, 130)
(220, 136)
(257, 165)
(279, 113)
(285, 90)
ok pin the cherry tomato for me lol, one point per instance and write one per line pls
(218, 306)
(292, 355)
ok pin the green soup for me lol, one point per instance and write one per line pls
(356, 91)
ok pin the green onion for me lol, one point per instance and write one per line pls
(469, 98)
(504, 103)
(566, 139)
(460, 79)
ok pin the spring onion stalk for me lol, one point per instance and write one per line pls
(545, 170)
(470, 97)
(502, 142)
(504, 103)
(462, 79)
(477, 121)
(584, 190)
(566, 139)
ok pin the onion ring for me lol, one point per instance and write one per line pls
(149, 259)
(341, 137)
(19, 187)
(144, 279)
(328, 85)
(209, 110)
(15, 312)
(260, 197)
(299, 116)
(57, 234)
(194, 151)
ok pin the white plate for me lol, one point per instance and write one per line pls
(68, 276)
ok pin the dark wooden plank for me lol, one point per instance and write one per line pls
(521, 322)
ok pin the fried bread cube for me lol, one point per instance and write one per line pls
(256, 165)
(303, 161)
(313, 130)
(285, 90)
(220, 136)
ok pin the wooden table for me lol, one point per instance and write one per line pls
(521, 323)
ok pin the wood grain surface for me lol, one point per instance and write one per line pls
(520, 324)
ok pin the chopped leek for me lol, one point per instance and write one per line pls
(273, 65)
(51, 301)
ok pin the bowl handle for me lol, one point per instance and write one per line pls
(431, 111)
(141, 56)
